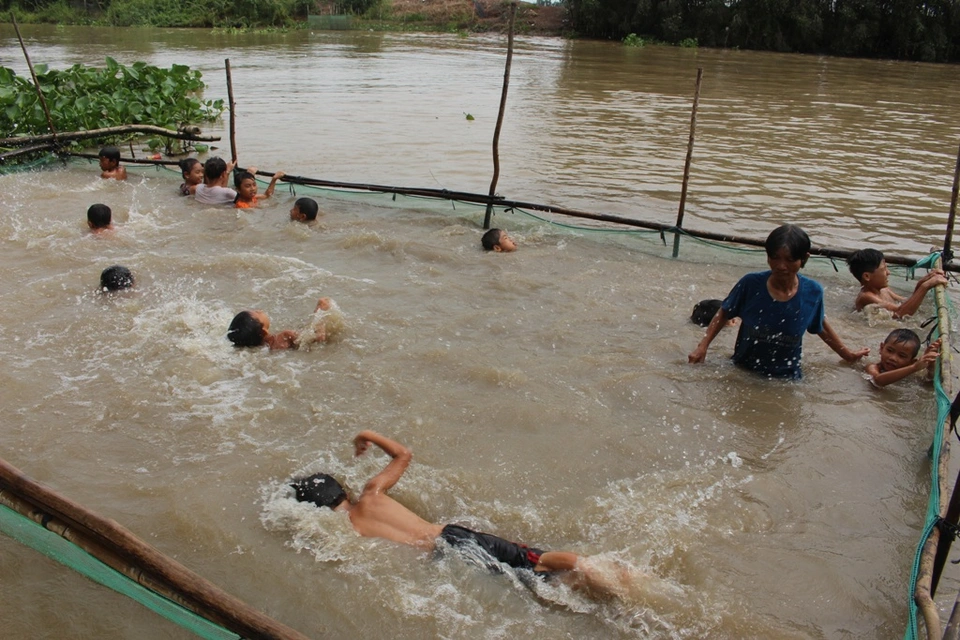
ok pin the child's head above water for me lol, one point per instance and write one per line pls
(246, 185)
(249, 329)
(98, 217)
(304, 210)
(319, 489)
(213, 169)
(704, 311)
(116, 278)
(192, 171)
(792, 238)
(109, 158)
(864, 262)
(905, 338)
(497, 240)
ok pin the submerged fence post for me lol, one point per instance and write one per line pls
(686, 163)
(503, 104)
(36, 82)
(233, 117)
(947, 253)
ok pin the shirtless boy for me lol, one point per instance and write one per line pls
(898, 357)
(110, 164)
(252, 329)
(376, 515)
(497, 240)
(870, 269)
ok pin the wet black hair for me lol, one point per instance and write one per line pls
(115, 278)
(214, 167)
(240, 176)
(245, 330)
(863, 261)
(319, 489)
(704, 311)
(905, 336)
(98, 215)
(110, 153)
(308, 207)
(795, 239)
(491, 239)
(186, 165)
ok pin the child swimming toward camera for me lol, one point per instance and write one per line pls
(252, 329)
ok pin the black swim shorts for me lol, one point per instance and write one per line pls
(518, 556)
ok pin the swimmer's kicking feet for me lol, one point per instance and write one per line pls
(375, 514)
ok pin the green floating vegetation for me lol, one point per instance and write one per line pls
(82, 98)
(633, 40)
(689, 43)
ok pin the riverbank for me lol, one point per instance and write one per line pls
(469, 15)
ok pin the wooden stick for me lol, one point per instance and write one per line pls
(686, 163)
(234, 614)
(948, 238)
(27, 151)
(503, 106)
(33, 74)
(106, 131)
(233, 117)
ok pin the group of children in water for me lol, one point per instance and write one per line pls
(778, 306)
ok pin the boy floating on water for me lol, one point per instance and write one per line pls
(776, 308)
(497, 240)
(252, 329)
(110, 164)
(99, 218)
(377, 515)
(304, 210)
(870, 270)
(898, 358)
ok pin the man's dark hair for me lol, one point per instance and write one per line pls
(110, 153)
(863, 261)
(704, 311)
(905, 336)
(308, 207)
(795, 239)
(115, 278)
(213, 168)
(98, 215)
(319, 489)
(490, 239)
(187, 164)
(245, 330)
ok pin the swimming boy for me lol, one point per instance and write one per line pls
(192, 171)
(870, 269)
(375, 514)
(704, 311)
(252, 329)
(497, 240)
(214, 189)
(110, 164)
(99, 217)
(304, 210)
(116, 278)
(898, 357)
(776, 308)
(246, 183)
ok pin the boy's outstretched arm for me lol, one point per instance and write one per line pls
(833, 341)
(401, 455)
(719, 322)
(273, 184)
(909, 306)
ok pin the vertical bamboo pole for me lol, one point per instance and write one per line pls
(503, 105)
(233, 116)
(686, 163)
(33, 74)
(948, 238)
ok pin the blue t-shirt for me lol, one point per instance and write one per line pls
(771, 332)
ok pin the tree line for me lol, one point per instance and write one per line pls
(898, 29)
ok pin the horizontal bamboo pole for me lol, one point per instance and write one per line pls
(107, 131)
(227, 610)
(24, 151)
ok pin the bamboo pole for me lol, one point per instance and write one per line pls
(229, 611)
(686, 162)
(924, 589)
(233, 115)
(948, 238)
(106, 131)
(503, 106)
(33, 75)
